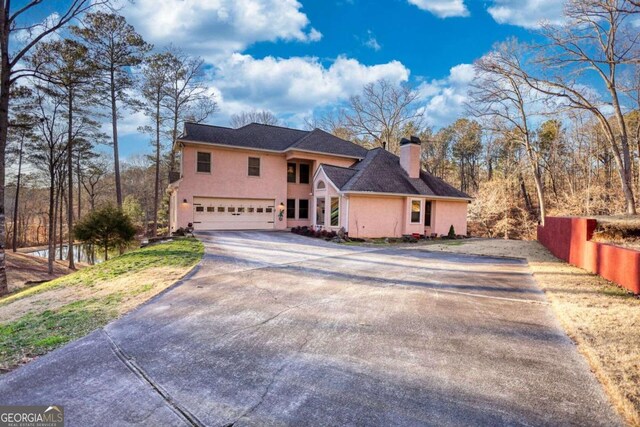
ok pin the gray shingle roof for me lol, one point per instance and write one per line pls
(338, 175)
(268, 137)
(380, 172)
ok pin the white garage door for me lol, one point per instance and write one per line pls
(233, 214)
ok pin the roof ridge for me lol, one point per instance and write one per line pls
(298, 141)
(187, 122)
(276, 126)
(340, 167)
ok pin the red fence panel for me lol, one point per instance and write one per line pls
(569, 239)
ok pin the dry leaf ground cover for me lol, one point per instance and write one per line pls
(22, 270)
(38, 319)
(601, 318)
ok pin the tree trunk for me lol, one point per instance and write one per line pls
(17, 201)
(79, 178)
(157, 183)
(52, 222)
(61, 202)
(114, 127)
(5, 84)
(70, 189)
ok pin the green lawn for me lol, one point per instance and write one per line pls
(103, 291)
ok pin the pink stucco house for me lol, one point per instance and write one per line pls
(262, 177)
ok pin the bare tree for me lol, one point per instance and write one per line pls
(65, 67)
(263, 117)
(154, 87)
(186, 97)
(597, 40)
(499, 92)
(381, 112)
(48, 151)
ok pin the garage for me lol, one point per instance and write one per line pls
(233, 214)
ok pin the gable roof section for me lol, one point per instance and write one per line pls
(338, 175)
(274, 138)
(380, 172)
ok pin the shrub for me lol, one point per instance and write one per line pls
(452, 232)
(108, 227)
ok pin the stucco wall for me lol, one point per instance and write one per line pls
(570, 239)
(444, 214)
(229, 178)
(376, 216)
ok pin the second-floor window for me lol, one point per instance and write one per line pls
(304, 173)
(204, 162)
(254, 166)
(291, 172)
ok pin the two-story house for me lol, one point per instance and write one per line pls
(262, 177)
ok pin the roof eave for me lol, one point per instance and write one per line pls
(192, 141)
(423, 196)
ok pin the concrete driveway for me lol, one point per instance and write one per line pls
(279, 329)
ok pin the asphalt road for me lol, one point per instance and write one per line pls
(279, 329)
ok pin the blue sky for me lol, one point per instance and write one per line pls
(299, 57)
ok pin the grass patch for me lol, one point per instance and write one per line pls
(181, 253)
(56, 312)
(36, 334)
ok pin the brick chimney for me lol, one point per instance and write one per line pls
(410, 156)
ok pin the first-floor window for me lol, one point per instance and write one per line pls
(335, 211)
(204, 162)
(291, 208)
(303, 209)
(415, 211)
(427, 213)
(320, 211)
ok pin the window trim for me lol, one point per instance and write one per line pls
(411, 212)
(210, 162)
(249, 158)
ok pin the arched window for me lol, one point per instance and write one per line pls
(320, 185)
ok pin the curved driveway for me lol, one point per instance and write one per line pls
(279, 329)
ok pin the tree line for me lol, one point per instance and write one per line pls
(551, 127)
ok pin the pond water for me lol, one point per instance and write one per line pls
(81, 253)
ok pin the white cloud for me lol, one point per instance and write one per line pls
(442, 8)
(212, 27)
(444, 99)
(527, 13)
(293, 86)
(372, 42)
(23, 36)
